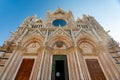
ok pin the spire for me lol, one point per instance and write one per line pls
(39, 20)
(59, 11)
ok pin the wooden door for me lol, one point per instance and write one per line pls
(25, 69)
(95, 70)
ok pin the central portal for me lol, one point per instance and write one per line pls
(59, 68)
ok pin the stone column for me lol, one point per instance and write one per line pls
(83, 67)
(112, 66)
(79, 66)
(47, 66)
(72, 67)
(106, 67)
(38, 65)
(12, 65)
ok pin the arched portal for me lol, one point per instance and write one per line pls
(60, 45)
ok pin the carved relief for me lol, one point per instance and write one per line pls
(86, 48)
(33, 47)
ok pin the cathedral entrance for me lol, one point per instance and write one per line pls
(95, 70)
(59, 68)
(25, 69)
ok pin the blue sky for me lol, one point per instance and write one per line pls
(13, 12)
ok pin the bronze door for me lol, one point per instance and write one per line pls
(25, 69)
(95, 70)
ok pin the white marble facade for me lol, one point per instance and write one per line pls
(79, 40)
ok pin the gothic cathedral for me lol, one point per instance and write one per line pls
(60, 48)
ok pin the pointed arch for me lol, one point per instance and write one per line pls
(31, 44)
(91, 40)
(33, 36)
(88, 44)
(59, 31)
(60, 35)
(65, 39)
(84, 36)
(32, 40)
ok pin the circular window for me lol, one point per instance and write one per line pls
(59, 22)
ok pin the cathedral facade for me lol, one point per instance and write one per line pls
(60, 48)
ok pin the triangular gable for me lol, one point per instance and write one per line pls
(59, 31)
(37, 32)
(59, 11)
(86, 34)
